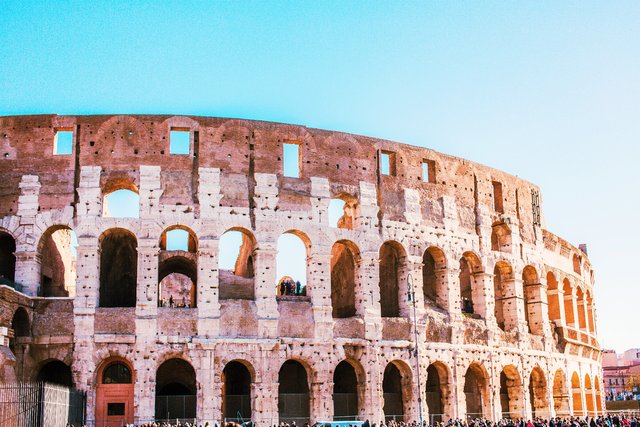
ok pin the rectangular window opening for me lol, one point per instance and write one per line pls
(63, 142)
(387, 163)
(180, 141)
(497, 197)
(291, 163)
(429, 171)
(115, 409)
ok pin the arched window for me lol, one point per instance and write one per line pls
(236, 399)
(568, 303)
(511, 393)
(177, 268)
(476, 392)
(560, 395)
(293, 392)
(470, 287)
(396, 389)
(576, 391)
(505, 296)
(343, 211)
(55, 372)
(501, 237)
(391, 261)
(345, 392)
(291, 265)
(117, 373)
(532, 300)
(235, 265)
(538, 393)
(553, 297)
(344, 260)
(437, 391)
(57, 249)
(118, 268)
(122, 203)
(576, 264)
(434, 277)
(175, 390)
(7, 258)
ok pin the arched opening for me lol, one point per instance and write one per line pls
(291, 265)
(177, 268)
(345, 392)
(436, 389)
(582, 321)
(55, 372)
(7, 258)
(501, 237)
(476, 392)
(235, 265)
(434, 264)
(596, 383)
(114, 394)
(344, 262)
(394, 385)
(532, 300)
(175, 391)
(576, 391)
(553, 298)
(568, 303)
(21, 327)
(391, 261)
(538, 394)
(470, 291)
(57, 250)
(343, 211)
(236, 392)
(590, 309)
(293, 393)
(560, 395)
(576, 264)
(511, 396)
(118, 269)
(121, 203)
(588, 395)
(505, 296)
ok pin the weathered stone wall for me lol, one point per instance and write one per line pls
(233, 180)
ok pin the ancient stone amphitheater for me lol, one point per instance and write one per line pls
(438, 290)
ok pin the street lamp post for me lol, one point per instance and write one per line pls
(412, 300)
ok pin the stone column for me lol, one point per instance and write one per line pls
(28, 271)
(319, 289)
(208, 288)
(265, 289)
(368, 294)
(265, 402)
(483, 296)
(144, 389)
(209, 387)
(322, 398)
(374, 401)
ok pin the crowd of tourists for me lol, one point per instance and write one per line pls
(600, 421)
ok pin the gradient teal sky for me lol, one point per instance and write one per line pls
(549, 91)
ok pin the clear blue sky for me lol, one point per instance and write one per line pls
(549, 91)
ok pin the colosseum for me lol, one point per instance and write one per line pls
(436, 292)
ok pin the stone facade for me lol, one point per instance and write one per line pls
(504, 313)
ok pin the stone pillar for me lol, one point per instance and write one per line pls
(209, 194)
(319, 289)
(412, 265)
(320, 199)
(144, 389)
(28, 271)
(265, 403)
(572, 303)
(483, 296)
(322, 399)
(368, 294)
(89, 193)
(209, 387)
(368, 212)
(208, 288)
(150, 191)
(265, 289)
(374, 399)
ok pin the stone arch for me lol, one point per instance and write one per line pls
(57, 262)
(576, 392)
(538, 394)
(21, 325)
(532, 293)
(176, 390)
(348, 390)
(397, 390)
(293, 392)
(114, 391)
(598, 393)
(118, 268)
(553, 298)
(580, 304)
(237, 379)
(292, 263)
(189, 242)
(437, 392)
(54, 371)
(588, 395)
(501, 237)
(569, 312)
(511, 393)
(348, 205)
(590, 313)
(434, 277)
(577, 263)
(505, 308)
(392, 265)
(7, 257)
(236, 264)
(476, 392)
(120, 198)
(471, 287)
(345, 265)
(560, 394)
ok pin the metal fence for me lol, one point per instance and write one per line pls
(40, 405)
(175, 407)
(294, 407)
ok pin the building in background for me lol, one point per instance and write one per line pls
(621, 374)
